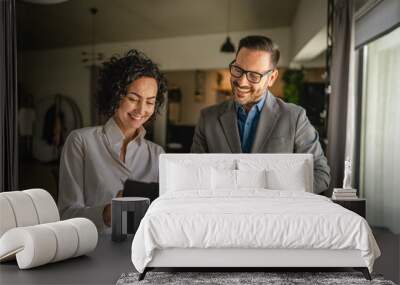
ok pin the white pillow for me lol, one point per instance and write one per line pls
(288, 174)
(223, 179)
(226, 179)
(251, 178)
(294, 178)
(182, 177)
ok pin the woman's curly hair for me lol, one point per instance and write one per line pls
(119, 72)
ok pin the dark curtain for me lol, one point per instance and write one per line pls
(8, 97)
(340, 71)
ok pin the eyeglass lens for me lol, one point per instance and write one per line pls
(251, 76)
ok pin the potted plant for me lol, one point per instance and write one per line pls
(293, 87)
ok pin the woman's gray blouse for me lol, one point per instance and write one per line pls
(91, 171)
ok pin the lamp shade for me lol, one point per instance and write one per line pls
(228, 46)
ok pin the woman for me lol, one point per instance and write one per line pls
(96, 161)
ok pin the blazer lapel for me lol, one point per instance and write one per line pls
(268, 118)
(228, 122)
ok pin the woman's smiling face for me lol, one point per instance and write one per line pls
(138, 105)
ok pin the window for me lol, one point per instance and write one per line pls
(380, 132)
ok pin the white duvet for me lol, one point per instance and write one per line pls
(252, 218)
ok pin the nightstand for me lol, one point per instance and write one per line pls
(358, 205)
(136, 206)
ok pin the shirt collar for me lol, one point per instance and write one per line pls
(115, 135)
(261, 102)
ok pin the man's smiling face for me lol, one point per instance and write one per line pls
(248, 93)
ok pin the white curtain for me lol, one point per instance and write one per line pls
(380, 138)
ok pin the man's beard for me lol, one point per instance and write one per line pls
(241, 89)
(251, 97)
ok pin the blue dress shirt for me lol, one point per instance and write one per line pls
(247, 123)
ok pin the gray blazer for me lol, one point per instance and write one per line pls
(282, 128)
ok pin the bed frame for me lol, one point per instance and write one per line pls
(242, 259)
(249, 259)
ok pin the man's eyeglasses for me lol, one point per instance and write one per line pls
(252, 76)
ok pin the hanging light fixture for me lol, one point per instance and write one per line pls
(228, 46)
(92, 56)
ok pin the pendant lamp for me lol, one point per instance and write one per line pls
(228, 46)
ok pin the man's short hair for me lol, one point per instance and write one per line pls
(261, 43)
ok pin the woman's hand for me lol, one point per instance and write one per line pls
(107, 211)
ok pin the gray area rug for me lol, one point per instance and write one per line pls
(229, 278)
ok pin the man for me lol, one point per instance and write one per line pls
(255, 121)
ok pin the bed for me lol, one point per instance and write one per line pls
(246, 211)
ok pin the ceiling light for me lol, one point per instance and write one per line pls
(228, 46)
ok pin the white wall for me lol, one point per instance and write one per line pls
(310, 19)
(47, 72)
(316, 62)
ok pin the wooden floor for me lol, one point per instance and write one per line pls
(389, 262)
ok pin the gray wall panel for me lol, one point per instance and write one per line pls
(380, 20)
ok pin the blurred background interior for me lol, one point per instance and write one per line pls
(62, 45)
